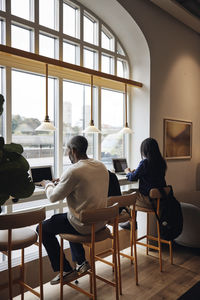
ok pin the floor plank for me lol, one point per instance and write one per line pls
(153, 284)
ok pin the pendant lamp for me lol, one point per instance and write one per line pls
(126, 129)
(46, 125)
(91, 128)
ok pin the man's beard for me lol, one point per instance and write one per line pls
(71, 159)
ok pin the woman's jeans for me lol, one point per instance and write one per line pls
(50, 228)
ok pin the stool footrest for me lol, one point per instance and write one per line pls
(148, 246)
(27, 287)
(127, 256)
(104, 261)
(105, 280)
(79, 289)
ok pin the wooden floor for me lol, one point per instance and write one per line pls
(170, 284)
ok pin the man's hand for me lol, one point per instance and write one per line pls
(56, 181)
(43, 183)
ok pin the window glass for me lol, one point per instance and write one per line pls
(47, 13)
(47, 45)
(76, 115)
(21, 8)
(89, 30)
(120, 68)
(90, 59)
(70, 22)
(106, 41)
(28, 110)
(2, 5)
(111, 124)
(69, 53)
(120, 50)
(21, 38)
(2, 32)
(107, 64)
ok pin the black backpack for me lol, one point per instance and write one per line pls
(171, 218)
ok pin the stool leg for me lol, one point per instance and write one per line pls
(40, 262)
(147, 249)
(22, 274)
(93, 263)
(61, 269)
(135, 249)
(119, 264)
(9, 263)
(171, 253)
(115, 260)
(131, 234)
(90, 255)
(159, 246)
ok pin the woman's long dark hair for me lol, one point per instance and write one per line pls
(149, 149)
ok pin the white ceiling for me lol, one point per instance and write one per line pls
(180, 13)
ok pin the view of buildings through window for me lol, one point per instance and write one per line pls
(84, 40)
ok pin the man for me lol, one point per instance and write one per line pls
(85, 186)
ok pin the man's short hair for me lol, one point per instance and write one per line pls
(79, 143)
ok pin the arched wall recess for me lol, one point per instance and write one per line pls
(135, 44)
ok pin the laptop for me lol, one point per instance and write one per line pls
(120, 164)
(40, 173)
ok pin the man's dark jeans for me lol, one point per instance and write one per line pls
(50, 228)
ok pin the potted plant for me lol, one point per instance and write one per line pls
(15, 181)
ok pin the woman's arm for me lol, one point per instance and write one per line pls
(135, 174)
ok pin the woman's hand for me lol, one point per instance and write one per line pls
(127, 170)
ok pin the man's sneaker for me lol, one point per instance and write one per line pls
(67, 277)
(84, 267)
(125, 225)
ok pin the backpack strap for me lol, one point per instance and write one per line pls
(154, 208)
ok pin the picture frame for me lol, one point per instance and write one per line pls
(177, 139)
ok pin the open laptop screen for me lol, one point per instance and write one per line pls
(119, 164)
(41, 173)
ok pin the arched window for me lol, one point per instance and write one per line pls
(72, 33)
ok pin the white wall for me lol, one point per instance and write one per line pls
(175, 81)
(133, 40)
(174, 74)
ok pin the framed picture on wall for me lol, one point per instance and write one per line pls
(177, 139)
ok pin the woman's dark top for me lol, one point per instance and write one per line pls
(149, 177)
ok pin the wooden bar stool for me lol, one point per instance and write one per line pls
(92, 217)
(155, 194)
(13, 236)
(126, 201)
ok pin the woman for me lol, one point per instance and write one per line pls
(150, 172)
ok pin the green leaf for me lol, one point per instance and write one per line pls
(15, 163)
(12, 147)
(1, 142)
(3, 198)
(1, 103)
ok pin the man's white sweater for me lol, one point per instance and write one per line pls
(85, 186)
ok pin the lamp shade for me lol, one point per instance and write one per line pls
(126, 130)
(46, 126)
(91, 128)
